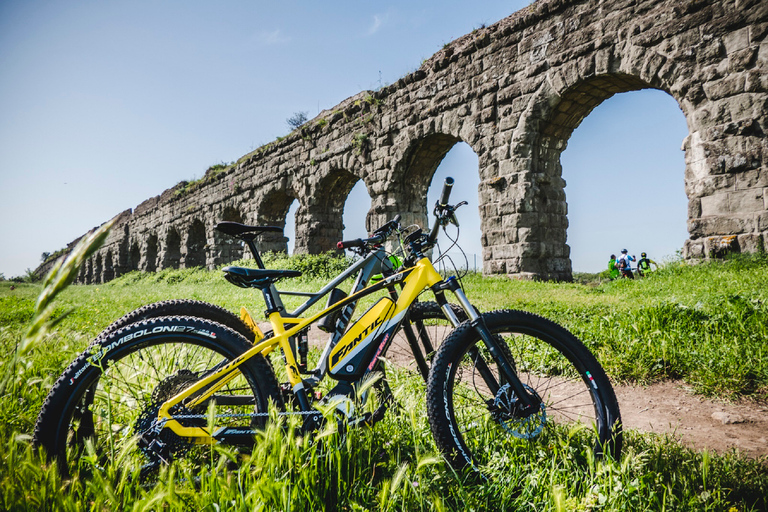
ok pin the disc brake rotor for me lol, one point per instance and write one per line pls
(507, 408)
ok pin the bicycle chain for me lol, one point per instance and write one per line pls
(242, 415)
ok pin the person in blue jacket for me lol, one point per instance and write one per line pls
(625, 264)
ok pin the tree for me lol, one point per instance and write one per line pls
(30, 276)
(45, 256)
(297, 119)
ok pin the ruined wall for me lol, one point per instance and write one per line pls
(514, 92)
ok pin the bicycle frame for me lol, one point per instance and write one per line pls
(414, 280)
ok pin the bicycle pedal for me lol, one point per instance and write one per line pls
(312, 422)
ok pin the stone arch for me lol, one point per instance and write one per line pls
(98, 268)
(227, 248)
(531, 195)
(272, 210)
(411, 178)
(320, 222)
(196, 244)
(134, 256)
(150, 257)
(172, 249)
(109, 266)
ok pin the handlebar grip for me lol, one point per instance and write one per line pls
(447, 186)
(347, 244)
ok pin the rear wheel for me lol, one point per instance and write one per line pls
(475, 415)
(182, 307)
(109, 397)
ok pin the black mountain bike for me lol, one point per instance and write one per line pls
(164, 388)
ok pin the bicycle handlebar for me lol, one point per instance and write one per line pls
(380, 236)
(443, 214)
(447, 186)
(439, 207)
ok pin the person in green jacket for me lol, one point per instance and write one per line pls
(613, 269)
(644, 265)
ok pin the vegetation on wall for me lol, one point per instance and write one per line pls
(213, 173)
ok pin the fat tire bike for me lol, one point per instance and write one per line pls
(157, 387)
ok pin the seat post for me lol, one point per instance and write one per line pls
(255, 252)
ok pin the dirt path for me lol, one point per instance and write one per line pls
(670, 408)
(665, 408)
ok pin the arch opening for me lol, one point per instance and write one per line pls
(109, 267)
(424, 169)
(277, 208)
(197, 241)
(89, 271)
(462, 164)
(356, 208)
(134, 256)
(550, 221)
(97, 270)
(289, 229)
(419, 166)
(626, 180)
(324, 218)
(150, 263)
(172, 256)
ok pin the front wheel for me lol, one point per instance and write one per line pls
(475, 415)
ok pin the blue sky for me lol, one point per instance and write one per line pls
(105, 104)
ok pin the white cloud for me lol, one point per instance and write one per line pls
(274, 37)
(378, 21)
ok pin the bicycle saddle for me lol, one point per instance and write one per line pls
(256, 277)
(244, 231)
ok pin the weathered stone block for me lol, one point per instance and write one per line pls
(725, 87)
(751, 243)
(716, 204)
(746, 201)
(737, 40)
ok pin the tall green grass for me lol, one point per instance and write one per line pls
(394, 466)
(704, 323)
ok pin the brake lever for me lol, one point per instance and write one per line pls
(452, 215)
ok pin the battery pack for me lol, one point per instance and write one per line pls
(348, 358)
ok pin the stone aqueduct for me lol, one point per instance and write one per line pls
(514, 92)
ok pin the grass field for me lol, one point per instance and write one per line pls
(706, 324)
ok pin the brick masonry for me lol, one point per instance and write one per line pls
(514, 92)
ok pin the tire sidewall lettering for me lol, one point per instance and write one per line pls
(95, 359)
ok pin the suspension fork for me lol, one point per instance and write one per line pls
(476, 320)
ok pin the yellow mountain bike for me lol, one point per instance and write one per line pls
(169, 386)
